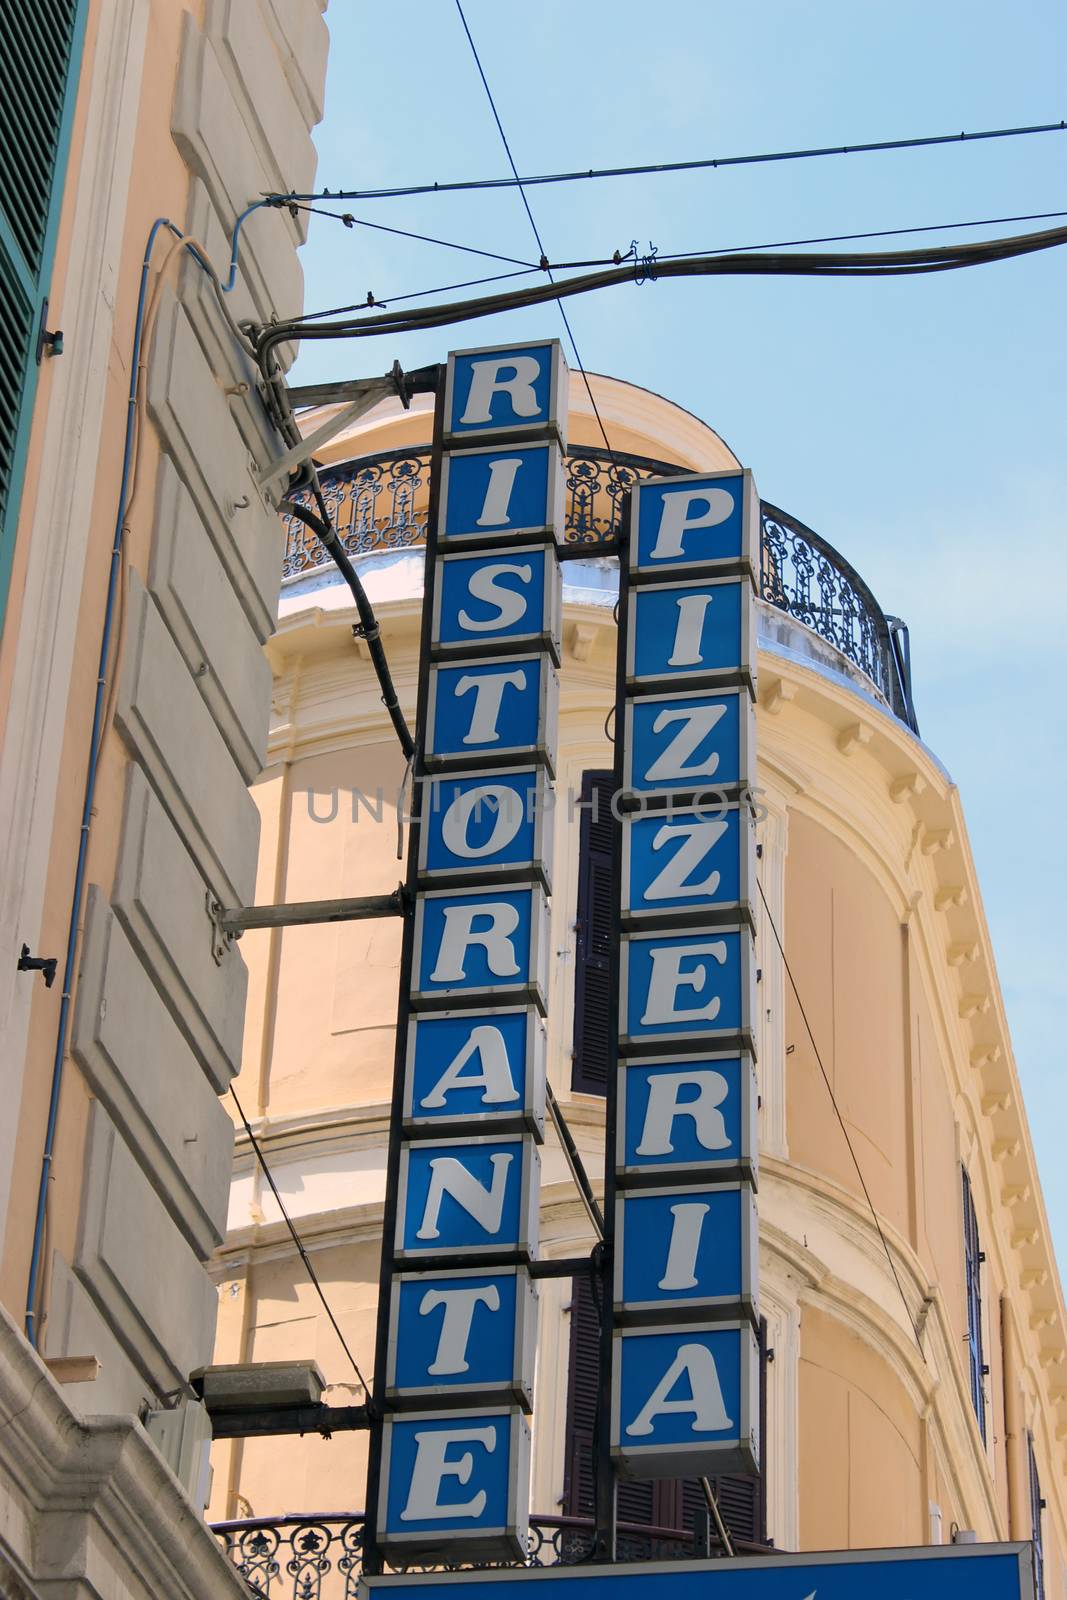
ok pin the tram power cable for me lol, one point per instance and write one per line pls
(536, 232)
(658, 168)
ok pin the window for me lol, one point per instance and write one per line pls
(973, 1256)
(592, 978)
(1037, 1505)
(670, 1505)
(39, 48)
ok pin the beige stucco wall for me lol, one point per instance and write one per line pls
(186, 112)
(872, 1435)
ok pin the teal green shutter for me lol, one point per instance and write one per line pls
(40, 48)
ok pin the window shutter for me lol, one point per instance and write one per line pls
(1037, 1505)
(670, 1504)
(592, 981)
(581, 1401)
(972, 1255)
(39, 49)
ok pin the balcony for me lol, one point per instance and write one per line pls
(379, 504)
(320, 1557)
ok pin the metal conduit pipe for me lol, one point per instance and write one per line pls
(96, 740)
(369, 628)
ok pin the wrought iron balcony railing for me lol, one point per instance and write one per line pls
(380, 503)
(319, 1557)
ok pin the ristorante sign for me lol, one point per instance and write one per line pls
(457, 1317)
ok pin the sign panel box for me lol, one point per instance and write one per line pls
(481, 947)
(488, 601)
(691, 634)
(686, 1253)
(455, 1485)
(687, 1120)
(506, 390)
(694, 989)
(688, 864)
(501, 493)
(490, 826)
(472, 1196)
(698, 743)
(925, 1572)
(485, 712)
(695, 525)
(475, 1069)
(471, 1336)
(685, 1401)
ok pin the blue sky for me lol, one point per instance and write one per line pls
(917, 424)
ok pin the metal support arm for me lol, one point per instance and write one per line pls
(321, 1419)
(364, 393)
(232, 921)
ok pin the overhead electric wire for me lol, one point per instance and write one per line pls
(386, 300)
(350, 221)
(297, 1241)
(652, 169)
(536, 232)
(941, 258)
(843, 238)
(841, 1121)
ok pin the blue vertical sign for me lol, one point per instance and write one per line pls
(685, 1353)
(457, 1327)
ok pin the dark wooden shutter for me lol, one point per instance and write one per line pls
(972, 1260)
(39, 50)
(1037, 1505)
(581, 1401)
(592, 980)
(669, 1504)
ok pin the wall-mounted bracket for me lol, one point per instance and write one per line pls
(229, 922)
(362, 394)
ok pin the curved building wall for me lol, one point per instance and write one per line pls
(873, 1434)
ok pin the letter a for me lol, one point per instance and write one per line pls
(495, 1080)
(704, 1400)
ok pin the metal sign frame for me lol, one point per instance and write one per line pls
(452, 1166)
(744, 1577)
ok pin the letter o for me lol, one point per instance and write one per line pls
(455, 824)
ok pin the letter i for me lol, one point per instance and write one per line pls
(502, 474)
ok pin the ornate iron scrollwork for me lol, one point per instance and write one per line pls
(381, 503)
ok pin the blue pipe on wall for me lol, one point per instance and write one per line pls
(95, 742)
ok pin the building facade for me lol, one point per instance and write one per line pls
(913, 1347)
(138, 584)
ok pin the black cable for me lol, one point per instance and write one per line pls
(654, 168)
(424, 238)
(387, 300)
(930, 258)
(536, 233)
(841, 1120)
(297, 1241)
(370, 630)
